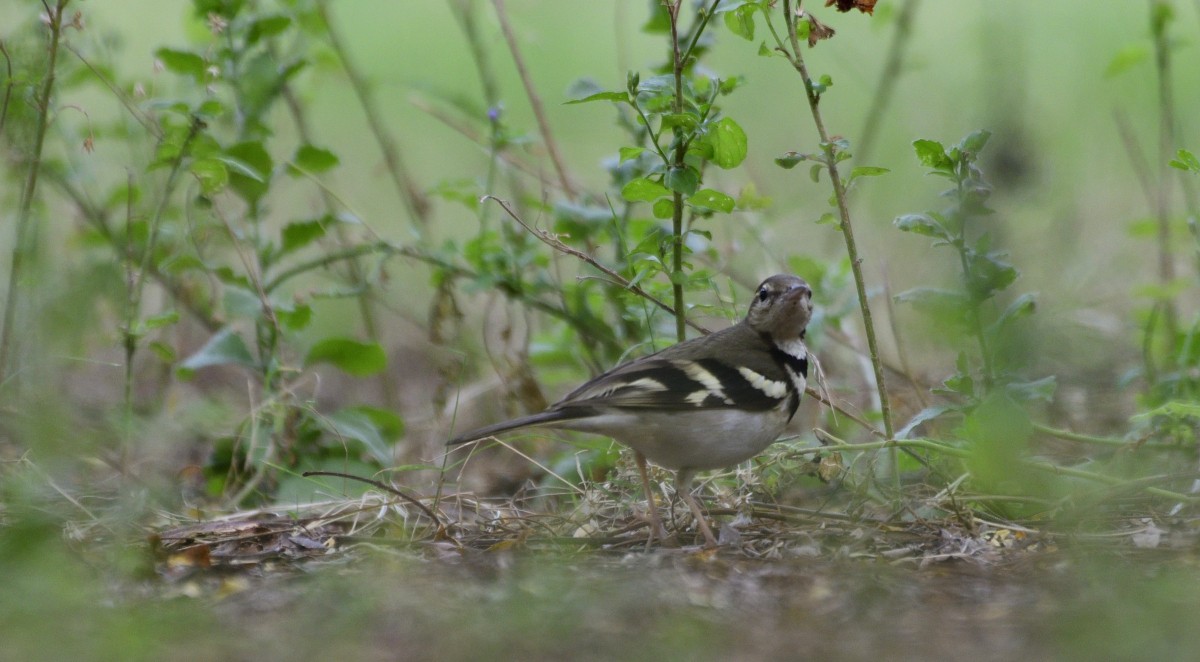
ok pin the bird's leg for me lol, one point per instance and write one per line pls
(656, 526)
(683, 485)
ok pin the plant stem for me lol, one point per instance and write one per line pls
(1039, 465)
(888, 77)
(406, 187)
(21, 243)
(535, 101)
(1159, 20)
(796, 58)
(676, 196)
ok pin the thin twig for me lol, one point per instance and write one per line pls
(1166, 141)
(21, 243)
(554, 242)
(386, 488)
(406, 187)
(888, 77)
(535, 101)
(796, 58)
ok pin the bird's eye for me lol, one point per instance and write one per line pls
(763, 294)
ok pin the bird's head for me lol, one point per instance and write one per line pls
(782, 307)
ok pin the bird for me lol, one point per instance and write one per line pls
(705, 403)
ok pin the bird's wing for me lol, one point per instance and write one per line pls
(683, 383)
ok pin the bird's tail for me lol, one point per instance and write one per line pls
(533, 420)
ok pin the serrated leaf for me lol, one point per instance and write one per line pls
(643, 190)
(711, 199)
(1185, 160)
(301, 233)
(226, 347)
(360, 359)
(932, 153)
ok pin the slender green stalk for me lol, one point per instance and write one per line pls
(1160, 19)
(21, 244)
(357, 276)
(796, 58)
(889, 76)
(535, 101)
(406, 187)
(1038, 465)
(677, 197)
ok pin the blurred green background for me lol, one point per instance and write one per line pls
(1068, 89)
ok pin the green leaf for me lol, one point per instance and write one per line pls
(241, 302)
(353, 425)
(312, 159)
(159, 321)
(867, 171)
(765, 51)
(226, 347)
(627, 153)
(256, 159)
(998, 431)
(360, 359)
(748, 198)
(714, 200)
(728, 142)
(922, 224)
(828, 218)
(1185, 160)
(295, 318)
(926, 414)
(664, 208)
(975, 141)
(1126, 59)
(1039, 390)
(643, 190)
(1021, 307)
(789, 160)
(389, 424)
(618, 96)
(683, 180)
(932, 154)
(211, 173)
(185, 63)
(301, 233)
(267, 26)
(741, 21)
(938, 302)
(685, 121)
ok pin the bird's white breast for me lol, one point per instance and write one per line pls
(699, 439)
